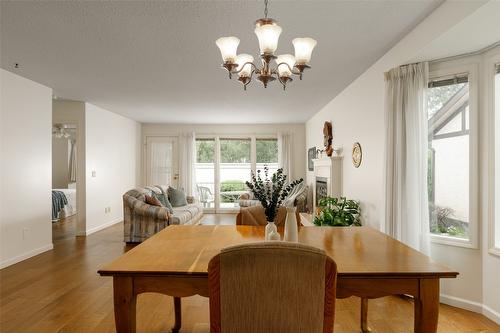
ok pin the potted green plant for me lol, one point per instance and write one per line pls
(271, 191)
(338, 212)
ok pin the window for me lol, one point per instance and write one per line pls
(449, 157)
(205, 171)
(496, 226)
(224, 164)
(235, 168)
(267, 154)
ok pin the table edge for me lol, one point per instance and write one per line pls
(371, 275)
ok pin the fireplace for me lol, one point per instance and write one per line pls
(321, 189)
(327, 179)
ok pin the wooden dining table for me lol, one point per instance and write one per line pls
(370, 265)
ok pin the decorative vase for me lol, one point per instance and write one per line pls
(291, 229)
(274, 236)
(270, 228)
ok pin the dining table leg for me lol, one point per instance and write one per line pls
(124, 304)
(427, 306)
(364, 316)
(178, 315)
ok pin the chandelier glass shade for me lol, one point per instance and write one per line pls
(228, 47)
(268, 32)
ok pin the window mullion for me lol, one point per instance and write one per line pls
(253, 154)
(217, 173)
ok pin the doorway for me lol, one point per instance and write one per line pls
(64, 181)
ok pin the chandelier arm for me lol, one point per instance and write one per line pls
(282, 83)
(250, 80)
(284, 63)
(246, 63)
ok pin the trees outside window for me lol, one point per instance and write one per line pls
(267, 154)
(224, 164)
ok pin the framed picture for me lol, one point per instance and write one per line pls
(311, 155)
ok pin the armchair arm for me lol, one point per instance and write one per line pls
(301, 202)
(143, 209)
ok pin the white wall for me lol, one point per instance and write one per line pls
(357, 114)
(491, 160)
(112, 152)
(25, 165)
(297, 131)
(496, 133)
(60, 170)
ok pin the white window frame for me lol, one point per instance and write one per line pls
(253, 160)
(489, 74)
(449, 69)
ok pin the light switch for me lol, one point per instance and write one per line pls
(93, 173)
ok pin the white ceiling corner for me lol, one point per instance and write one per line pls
(156, 61)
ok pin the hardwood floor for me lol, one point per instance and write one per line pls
(64, 228)
(60, 291)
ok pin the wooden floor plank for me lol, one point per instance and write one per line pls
(60, 291)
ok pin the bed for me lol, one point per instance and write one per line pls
(70, 207)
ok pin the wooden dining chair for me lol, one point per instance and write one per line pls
(272, 287)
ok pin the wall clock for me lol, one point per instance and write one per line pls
(357, 154)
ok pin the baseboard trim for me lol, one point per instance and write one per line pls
(461, 303)
(26, 255)
(471, 306)
(104, 226)
(491, 314)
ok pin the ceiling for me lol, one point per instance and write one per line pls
(479, 30)
(157, 61)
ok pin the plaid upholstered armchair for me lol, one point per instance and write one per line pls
(141, 220)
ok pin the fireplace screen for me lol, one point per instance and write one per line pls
(321, 189)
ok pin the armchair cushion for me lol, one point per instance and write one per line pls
(153, 200)
(177, 197)
(163, 198)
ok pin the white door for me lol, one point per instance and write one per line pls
(162, 161)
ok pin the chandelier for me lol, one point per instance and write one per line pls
(60, 131)
(268, 32)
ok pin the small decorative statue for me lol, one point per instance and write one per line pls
(328, 138)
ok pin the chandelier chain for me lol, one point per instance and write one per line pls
(265, 8)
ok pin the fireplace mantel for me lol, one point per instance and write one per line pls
(329, 169)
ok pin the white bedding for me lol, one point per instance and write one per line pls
(70, 208)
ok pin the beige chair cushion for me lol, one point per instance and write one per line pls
(255, 215)
(272, 287)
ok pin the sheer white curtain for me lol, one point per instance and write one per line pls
(407, 212)
(187, 153)
(285, 153)
(72, 161)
